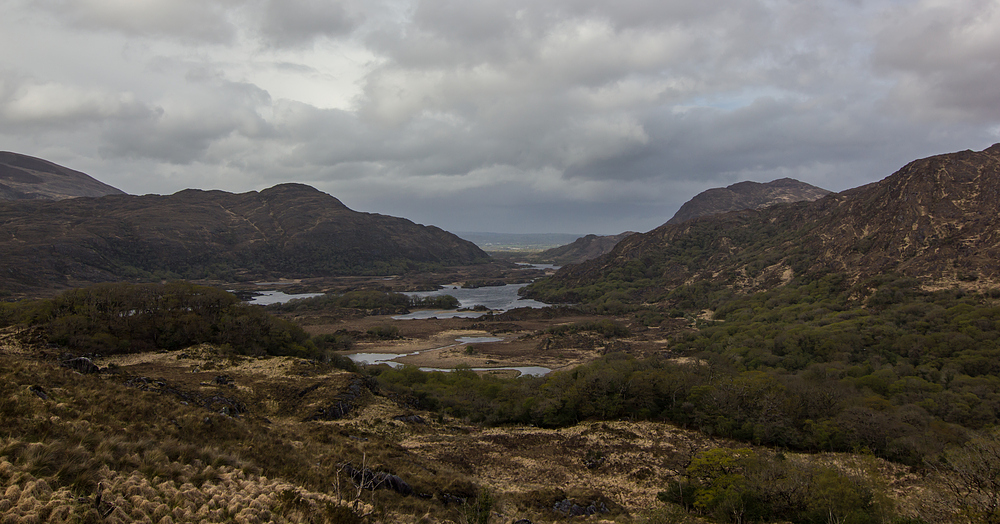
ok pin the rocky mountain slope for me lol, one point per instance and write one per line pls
(746, 195)
(936, 219)
(288, 230)
(580, 250)
(28, 178)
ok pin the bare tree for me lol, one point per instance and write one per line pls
(972, 475)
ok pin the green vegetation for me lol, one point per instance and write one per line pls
(131, 318)
(813, 366)
(606, 327)
(881, 368)
(384, 333)
(741, 485)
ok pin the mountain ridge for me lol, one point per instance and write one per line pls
(286, 230)
(935, 219)
(24, 177)
(746, 195)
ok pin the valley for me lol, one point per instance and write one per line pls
(812, 361)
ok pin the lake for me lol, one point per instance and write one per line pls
(266, 298)
(495, 298)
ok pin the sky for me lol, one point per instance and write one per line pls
(516, 116)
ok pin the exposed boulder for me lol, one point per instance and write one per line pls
(82, 365)
(39, 391)
(571, 509)
(344, 402)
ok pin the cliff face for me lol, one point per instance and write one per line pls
(746, 195)
(287, 230)
(936, 219)
(27, 178)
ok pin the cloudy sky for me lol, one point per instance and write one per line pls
(577, 116)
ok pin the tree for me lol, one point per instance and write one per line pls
(972, 474)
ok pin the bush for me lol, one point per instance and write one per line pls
(384, 332)
(605, 327)
(741, 485)
(333, 342)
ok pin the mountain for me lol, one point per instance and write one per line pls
(28, 178)
(746, 195)
(937, 219)
(288, 230)
(580, 250)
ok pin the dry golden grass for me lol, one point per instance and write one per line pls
(232, 495)
(152, 458)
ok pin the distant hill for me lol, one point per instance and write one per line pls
(288, 230)
(746, 195)
(28, 178)
(936, 219)
(516, 242)
(580, 250)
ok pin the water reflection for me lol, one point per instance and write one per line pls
(266, 298)
(494, 298)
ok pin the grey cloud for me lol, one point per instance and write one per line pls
(299, 22)
(27, 103)
(189, 20)
(945, 58)
(182, 131)
(575, 115)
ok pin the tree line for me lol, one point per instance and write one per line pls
(130, 318)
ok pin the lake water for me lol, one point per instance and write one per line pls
(495, 298)
(266, 298)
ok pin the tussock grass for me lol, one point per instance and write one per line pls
(97, 451)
